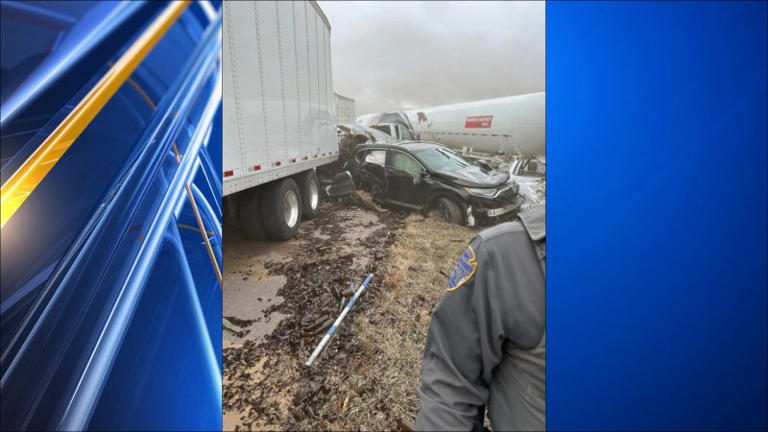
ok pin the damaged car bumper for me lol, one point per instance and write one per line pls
(490, 207)
(484, 212)
(501, 211)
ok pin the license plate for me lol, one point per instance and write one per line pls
(500, 211)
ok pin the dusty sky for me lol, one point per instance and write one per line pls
(404, 54)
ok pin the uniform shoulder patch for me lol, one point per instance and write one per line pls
(464, 270)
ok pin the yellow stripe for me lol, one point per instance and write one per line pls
(18, 187)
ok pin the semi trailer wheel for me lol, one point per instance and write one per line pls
(281, 209)
(309, 185)
(249, 217)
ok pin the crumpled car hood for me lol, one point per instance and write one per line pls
(475, 177)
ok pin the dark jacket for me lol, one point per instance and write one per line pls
(486, 341)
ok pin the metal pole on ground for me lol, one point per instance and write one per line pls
(336, 323)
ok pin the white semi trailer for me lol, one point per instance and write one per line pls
(513, 124)
(278, 120)
(345, 109)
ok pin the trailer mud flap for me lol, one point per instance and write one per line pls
(341, 185)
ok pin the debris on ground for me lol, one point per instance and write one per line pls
(331, 325)
(368, 375)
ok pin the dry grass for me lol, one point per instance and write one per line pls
(395, 327)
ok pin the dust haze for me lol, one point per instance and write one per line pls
(401, 55)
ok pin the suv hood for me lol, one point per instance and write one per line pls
(473, 176)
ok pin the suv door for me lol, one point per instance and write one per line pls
(405, 182)
(370, 172)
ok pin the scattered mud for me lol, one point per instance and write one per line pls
(368, 373)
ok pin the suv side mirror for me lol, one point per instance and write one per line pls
(418, 177)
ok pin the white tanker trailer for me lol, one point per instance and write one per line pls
(510, 125)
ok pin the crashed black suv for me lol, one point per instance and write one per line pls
(427, 176)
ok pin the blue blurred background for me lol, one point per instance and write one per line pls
(656, 214)
(111, 310)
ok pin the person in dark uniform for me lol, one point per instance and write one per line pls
(486, 340)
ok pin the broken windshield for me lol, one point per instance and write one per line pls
(442, 160)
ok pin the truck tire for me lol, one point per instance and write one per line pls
(249, 217)
(449, 210)
(309, 186)
(281, 208)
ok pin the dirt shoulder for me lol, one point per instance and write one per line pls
(368, 375)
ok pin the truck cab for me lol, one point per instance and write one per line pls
(397, 131)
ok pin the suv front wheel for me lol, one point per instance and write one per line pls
(448, 210)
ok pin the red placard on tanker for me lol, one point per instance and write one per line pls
(478, 122)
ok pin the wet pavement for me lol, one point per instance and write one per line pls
(250, 290)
